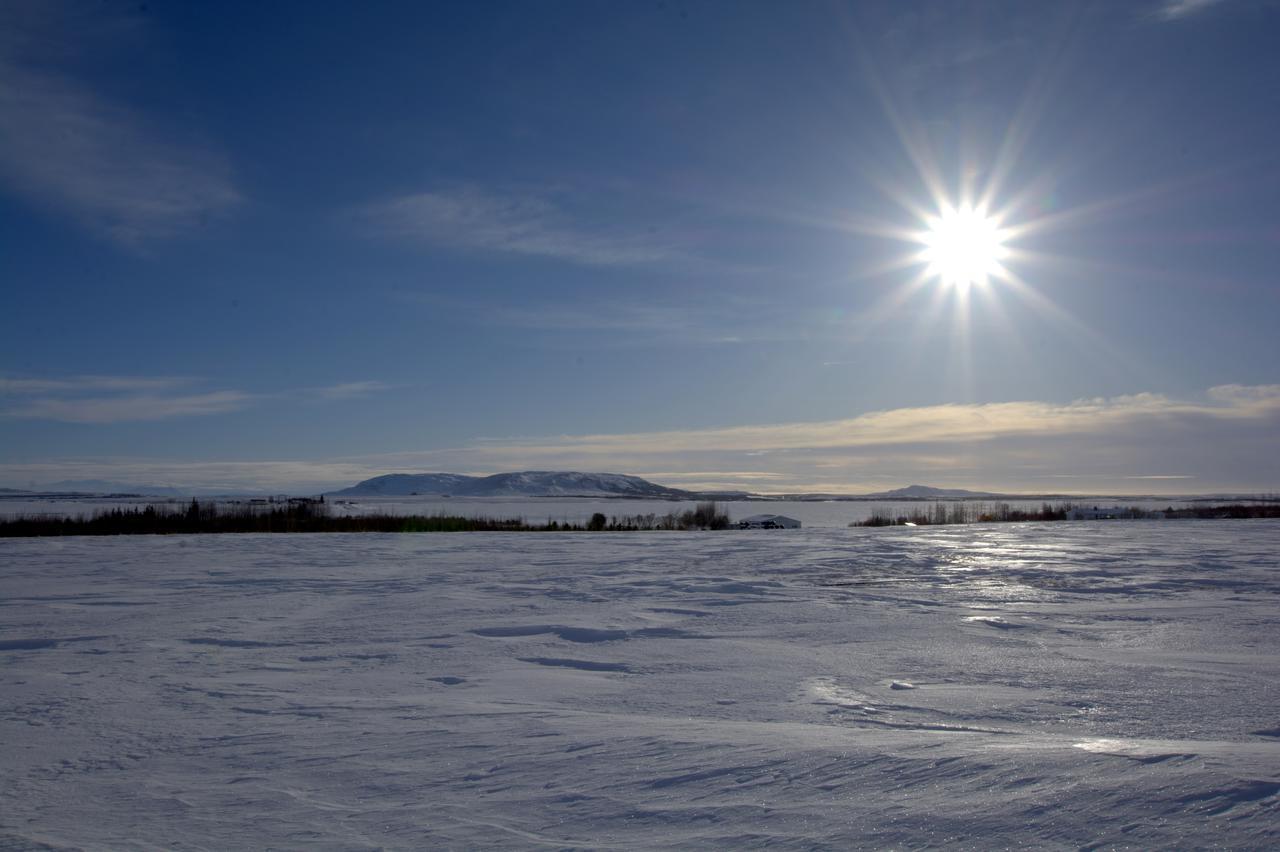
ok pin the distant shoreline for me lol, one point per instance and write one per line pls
(693, 496)
(196, 518)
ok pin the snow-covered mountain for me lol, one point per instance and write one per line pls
(926, 492)
(540, 483)
(405, 484)
(529, 483)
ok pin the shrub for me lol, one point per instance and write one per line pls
(707, 516)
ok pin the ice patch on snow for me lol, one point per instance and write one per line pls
(995, 621)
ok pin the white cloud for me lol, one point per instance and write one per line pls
(226, 477)
(939, 423)
(127, 407)
(474, 219)
(688, 317)
(351, 390)
(66, 147)
(1245, 396)
(1172, 10)
(604, 317)
(121, 399)
(9, 385)
(1225, 440)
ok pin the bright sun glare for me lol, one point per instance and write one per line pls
(963, 246)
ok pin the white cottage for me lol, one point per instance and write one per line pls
(769, 522)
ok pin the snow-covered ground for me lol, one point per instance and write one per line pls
(1052, 685)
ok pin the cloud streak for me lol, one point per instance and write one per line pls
(95, 399)
(76, 384)
(117, 173)
(112, 399)
(351, 390)
(477, 220)
(128, 408)
(1173, 10)
(204, 477)
(1224, 440)
(948, 424)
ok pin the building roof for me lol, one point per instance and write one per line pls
(760, 519)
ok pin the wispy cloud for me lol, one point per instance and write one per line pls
(129, 407)
(603, 317)
(74, 384)
(123, 399)
(940, 423)
(224, 477)
(478, 220)
(111, 399)
(115, 170)
(667, 318)
(1172, 10)
(1224, 440)
(351, 390)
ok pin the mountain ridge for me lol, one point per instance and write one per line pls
(927, 492)
(105, 486)
(527, 483)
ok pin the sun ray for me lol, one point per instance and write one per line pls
(961, 360)
(1011, 331)
(890, 305)
(1097, 350)
(1035, 102)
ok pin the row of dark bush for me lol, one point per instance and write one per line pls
(984, 513)
(964, 513)
(1233, 510)
(209, 517)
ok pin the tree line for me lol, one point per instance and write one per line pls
(315, 517)
(984, 513)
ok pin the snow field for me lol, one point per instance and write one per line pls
(1051, 685)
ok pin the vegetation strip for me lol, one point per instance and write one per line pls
(985, 513)
(316, 518)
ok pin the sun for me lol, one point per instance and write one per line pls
(963, 246)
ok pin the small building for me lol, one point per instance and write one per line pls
(768, 522)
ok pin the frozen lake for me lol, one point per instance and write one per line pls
(1049, 685)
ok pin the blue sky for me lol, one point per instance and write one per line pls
(291, 245)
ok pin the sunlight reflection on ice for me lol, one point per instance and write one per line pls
(1105, 746)
(991, 620)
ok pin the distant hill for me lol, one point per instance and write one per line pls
(102, 486)
(529, 483)
(406, 484)
(926, 492)
(545, 483)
